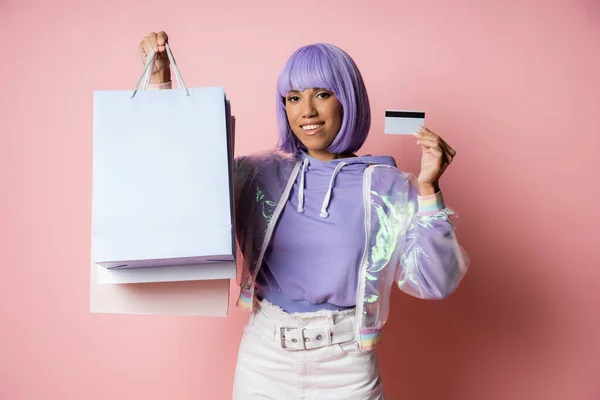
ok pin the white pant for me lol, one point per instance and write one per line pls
(274, 363)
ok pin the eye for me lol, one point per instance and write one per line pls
(324, 95)
(293, 99)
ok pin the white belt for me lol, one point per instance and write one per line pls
(295, 338)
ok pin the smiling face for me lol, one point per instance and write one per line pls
(315, 117)
(321, 85)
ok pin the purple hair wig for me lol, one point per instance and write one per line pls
(329, 67)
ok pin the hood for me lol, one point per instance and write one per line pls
(334, 167)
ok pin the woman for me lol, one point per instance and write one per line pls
(323, 234)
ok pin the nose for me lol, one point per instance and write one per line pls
(308, 109)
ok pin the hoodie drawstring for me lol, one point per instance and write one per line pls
(324, 213)
(301, 191)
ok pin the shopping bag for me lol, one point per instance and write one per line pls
(162, 176)
(190, 298)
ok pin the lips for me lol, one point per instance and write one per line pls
(312, 129)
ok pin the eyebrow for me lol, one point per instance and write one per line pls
(314, 88)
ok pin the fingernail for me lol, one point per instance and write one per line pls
(155, 48)
(418, 142)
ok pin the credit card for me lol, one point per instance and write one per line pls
(403, 122)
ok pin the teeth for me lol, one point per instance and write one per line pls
(311, 127)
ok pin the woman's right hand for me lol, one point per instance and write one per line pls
(162, 67)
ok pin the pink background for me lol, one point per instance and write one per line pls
(512, 85)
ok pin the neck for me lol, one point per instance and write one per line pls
(324, 155)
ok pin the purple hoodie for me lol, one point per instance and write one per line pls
(313, 259)
(409, 240)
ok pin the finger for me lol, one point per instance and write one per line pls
(449, 152)
(436, 147)
(161, 39)
(152, 46)
(424, 129)
(433, 143)
(426, 133)
(429, 147)
(438, 152)
(446, 145)
(143, 51)
(148, 44)
(448, 157)
(423, 135)
(145, 48)
(152, 41)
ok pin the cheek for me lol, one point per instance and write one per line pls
(289, 112)
(337, 115)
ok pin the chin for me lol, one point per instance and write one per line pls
(317, 145)
(316, 148)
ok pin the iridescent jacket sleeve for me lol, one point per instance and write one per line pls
(432, 263)
(244, 187)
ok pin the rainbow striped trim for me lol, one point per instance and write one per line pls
(369, 338)
(244, 300)
(432, 204)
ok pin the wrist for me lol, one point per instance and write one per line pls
(162, 76)
(428, 189)
(160, 86)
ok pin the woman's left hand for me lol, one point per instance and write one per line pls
(437, 155)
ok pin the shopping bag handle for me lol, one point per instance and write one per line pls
(144, 81)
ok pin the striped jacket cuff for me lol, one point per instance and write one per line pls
(245, 300)
(369, 338)
(432, 204)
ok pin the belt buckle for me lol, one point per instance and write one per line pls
(282, 331)
(282, 337)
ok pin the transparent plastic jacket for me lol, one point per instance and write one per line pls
(419, 253)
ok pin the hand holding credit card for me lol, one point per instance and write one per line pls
(403, 122)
